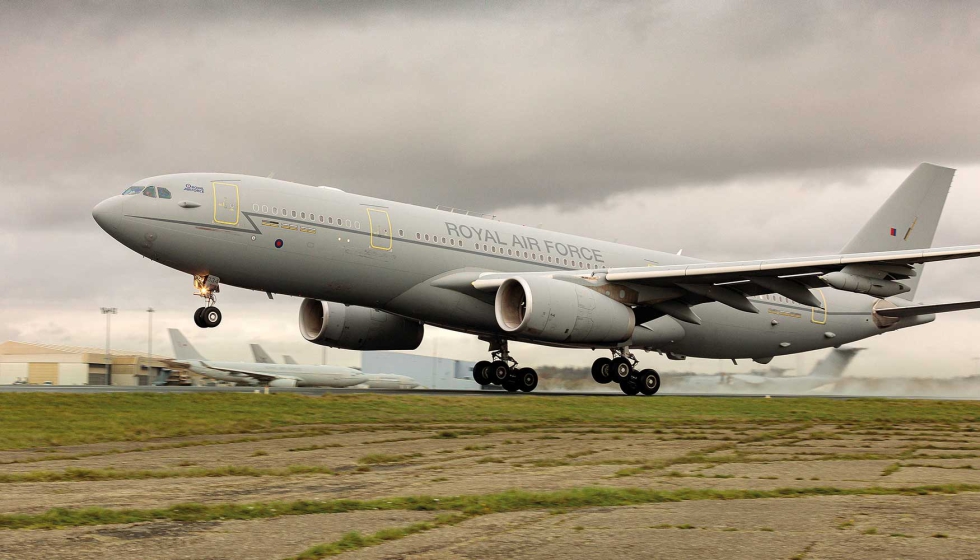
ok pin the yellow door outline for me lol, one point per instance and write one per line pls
(214, 188)
(380, 236)
(813, 310)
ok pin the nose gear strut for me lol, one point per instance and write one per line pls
(206, 286)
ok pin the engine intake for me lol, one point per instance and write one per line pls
(558, 311)
(357, 328)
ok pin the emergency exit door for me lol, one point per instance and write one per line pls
(225, 203)
(380, 225)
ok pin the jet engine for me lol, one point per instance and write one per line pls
(283, 383)
(557, 311)
(356, 328)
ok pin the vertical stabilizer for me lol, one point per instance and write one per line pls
(182, 348)
(260, 355)
(834, 364)
(908, 219)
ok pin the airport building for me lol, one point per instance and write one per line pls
(430, 372)
(49, 364)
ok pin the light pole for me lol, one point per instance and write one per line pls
(149, 343)
(107, 311)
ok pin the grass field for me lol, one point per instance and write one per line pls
(32, 419)
(230, 476)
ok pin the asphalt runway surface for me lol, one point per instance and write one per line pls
(317, 391)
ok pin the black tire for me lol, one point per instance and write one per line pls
(480, 373)
(499, 372)
(527, 379)
(199, 318)
(629, 386)
(649, 382)
(620, 369)
(211, 317)
(510, 386)
(600, 370)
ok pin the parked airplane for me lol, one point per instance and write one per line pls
(827, 371)
(252, 374)
(373, 272)
(374, 380)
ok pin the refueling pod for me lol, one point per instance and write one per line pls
(558, 311)
(357, 328)
(864, 285)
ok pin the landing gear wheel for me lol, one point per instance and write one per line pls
(499, 372)
(211, 317)
(600, 370)
(527, 379)
(620, 369)
(480, 373)
(629, 386)
(511, 386)
(199, 318)
(649, 382)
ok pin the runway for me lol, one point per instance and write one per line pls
(317, 391)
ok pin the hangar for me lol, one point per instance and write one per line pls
(42, 364)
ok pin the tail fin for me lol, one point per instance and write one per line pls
(289, 360)
(260, 356)
(908, 219)
(834, 364)
(182, 348)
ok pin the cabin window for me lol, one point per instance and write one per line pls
(275, 210)
(418, 235)
(484, 247)
(321, 218)
(348, 223)
(133, 190)
(357, 225)
(452, 242)
(401, 233)
(265, 209)
(549, 258)
(294, 213)
(493, 249)
(427, 237)
(301, 215)
(164, 193)
(150, 192)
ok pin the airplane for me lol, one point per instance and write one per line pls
(374, 380)
(373, 272)
(255, 374)
(826, 371)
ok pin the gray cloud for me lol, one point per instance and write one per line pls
(475, 105)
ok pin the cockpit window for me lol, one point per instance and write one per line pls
(150, 192)
(164, 193)
(133, 190)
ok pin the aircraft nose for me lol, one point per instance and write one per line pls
(108, 214)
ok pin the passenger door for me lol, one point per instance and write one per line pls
(380, 225)
(225, 203)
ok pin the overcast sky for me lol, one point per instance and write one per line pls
(728, 130)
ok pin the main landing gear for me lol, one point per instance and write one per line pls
(503, 370)
(622, 369)
(208, 316)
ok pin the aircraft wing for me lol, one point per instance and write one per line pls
(725, 272)
(682, 286)
(912, 311)
(262, 376)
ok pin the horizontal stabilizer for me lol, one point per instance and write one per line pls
(899, 312)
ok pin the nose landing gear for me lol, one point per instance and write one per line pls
(622, 369)
(207, 286)
(503, 370)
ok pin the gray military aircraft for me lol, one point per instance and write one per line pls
(373, 272)
(372, 380)
(262, 373)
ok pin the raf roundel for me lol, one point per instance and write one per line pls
(278, 243)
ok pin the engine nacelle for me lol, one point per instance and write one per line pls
(864, 285)
(357, 328)
(283, 383)
(558, 311)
